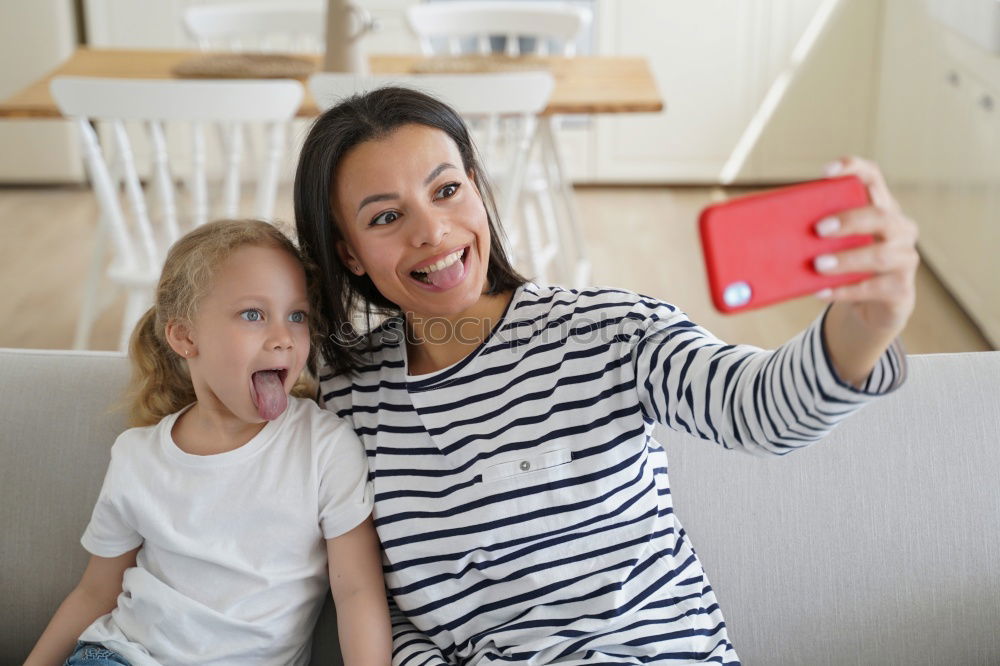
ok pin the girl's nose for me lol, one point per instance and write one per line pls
(280, 336)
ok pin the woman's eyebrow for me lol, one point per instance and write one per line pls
(389, 196)
(437, 171)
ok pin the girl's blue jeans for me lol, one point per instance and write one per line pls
(94, 654)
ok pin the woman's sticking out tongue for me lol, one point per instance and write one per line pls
(447, 277)
(269, 394)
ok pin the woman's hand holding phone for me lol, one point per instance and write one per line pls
(846, 239)
(885, 300)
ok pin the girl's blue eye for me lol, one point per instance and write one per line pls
(297, 317)
(252, 315)
(387, 217)
(448, 191)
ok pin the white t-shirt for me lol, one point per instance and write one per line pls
(233, 566)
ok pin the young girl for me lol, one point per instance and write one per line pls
(523, 507)
(219, 513)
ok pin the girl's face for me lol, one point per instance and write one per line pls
(414, 221)
(250, 337)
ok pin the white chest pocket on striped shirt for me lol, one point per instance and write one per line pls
(527, 464)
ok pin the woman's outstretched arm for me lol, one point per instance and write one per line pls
(95, 595)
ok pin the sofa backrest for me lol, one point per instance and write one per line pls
(56, 431)
(880, 544)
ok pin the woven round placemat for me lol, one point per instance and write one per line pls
(244, 66)
(474, 64)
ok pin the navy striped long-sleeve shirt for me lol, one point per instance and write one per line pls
(523, 506)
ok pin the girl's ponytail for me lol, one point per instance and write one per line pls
(160, 383)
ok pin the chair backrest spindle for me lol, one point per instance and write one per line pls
(164, 181)
(231, 178)
(197, 184)
(136, 199)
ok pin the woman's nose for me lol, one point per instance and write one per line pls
(430, 228)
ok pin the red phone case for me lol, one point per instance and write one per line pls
(759, 249)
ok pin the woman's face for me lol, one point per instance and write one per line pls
(414, 221)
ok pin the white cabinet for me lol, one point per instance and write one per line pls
(34, 38)
(976, 20)
(714, 61)
(939, 144)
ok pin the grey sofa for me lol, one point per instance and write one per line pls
(879, 545)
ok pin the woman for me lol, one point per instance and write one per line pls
(523, 507)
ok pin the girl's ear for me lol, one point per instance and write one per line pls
(179, 338)
(349, 258)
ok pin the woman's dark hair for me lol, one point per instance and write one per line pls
(366, 117)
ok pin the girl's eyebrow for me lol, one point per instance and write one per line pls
(388, 196)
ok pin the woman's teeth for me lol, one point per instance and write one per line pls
(444, 263)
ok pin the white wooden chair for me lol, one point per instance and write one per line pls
(514, 29)
(507, 105)
(143, 219)
(287, 27)
(511, 28)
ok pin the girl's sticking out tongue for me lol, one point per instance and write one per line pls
(269, 394)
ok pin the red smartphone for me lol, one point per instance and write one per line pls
(759, 249)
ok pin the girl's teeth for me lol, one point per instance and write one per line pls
(444, 263)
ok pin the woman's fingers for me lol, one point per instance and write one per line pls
(895, 235)
(888, 288)
(868, 220)
(850, 222)
(885, 300)
(879, 257)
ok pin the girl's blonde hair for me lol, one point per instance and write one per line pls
(160, 384)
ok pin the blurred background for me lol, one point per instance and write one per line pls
(757, 93)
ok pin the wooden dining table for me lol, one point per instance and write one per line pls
(583, 84)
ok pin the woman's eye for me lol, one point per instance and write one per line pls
(297, 317)
(448, 191)
(387, 217)
(252, 315)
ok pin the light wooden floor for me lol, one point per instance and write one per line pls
(644, 239)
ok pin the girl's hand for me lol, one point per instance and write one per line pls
(882, 303)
